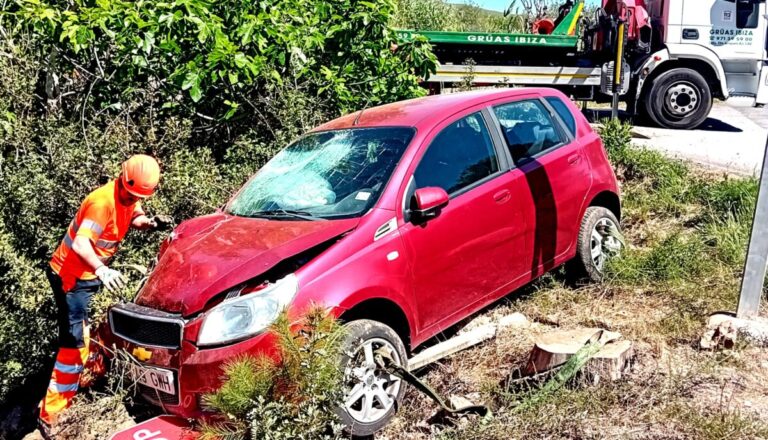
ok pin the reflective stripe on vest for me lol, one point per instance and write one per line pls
(92, 225)
(68, 369)
(107, 244)
(62, 388)
(88, 224)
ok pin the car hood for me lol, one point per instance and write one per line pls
(207, 255)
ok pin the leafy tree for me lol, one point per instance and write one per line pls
(212, 89)
(211, 58)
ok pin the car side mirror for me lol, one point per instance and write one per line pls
(428, 202)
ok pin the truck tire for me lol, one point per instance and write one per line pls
(679, 99)
(594, 246)
(371, 395)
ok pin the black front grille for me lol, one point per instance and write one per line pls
(158, 397)
(145, 326)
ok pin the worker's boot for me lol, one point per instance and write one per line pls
(44, 429)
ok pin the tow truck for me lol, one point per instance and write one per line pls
(667, 59)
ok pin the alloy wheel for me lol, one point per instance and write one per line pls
(372, 391)
(603, 243)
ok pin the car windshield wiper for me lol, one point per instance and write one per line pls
(304, 215)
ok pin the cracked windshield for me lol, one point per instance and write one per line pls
(332, 174)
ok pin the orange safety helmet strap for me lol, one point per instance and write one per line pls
(140, 175)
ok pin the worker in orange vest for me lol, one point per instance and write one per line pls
(79, 267)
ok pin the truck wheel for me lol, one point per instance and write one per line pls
(678, 99)
(371, 394)
(595, 244)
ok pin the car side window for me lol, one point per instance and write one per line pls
(564, 113)
(528, 129)
(460, 155)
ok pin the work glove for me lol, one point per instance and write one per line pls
(111, 278)
(161, 222)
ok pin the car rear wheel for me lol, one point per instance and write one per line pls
(597, 243)
(371, 394)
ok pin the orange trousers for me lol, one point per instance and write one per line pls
(72, 301)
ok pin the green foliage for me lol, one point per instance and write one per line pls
(212, 89)
(219, 54)
(731, 198)
(293, 395)
(616, 136)
(666, 185)
(438, 15)
(676, 257)
(468, 16)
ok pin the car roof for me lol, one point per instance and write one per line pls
(425, 111)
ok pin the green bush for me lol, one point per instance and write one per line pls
(661, 186)
(676, 257)
(212, 90)
(731, 198)
(293, 395)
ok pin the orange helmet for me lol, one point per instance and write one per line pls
(140, 175)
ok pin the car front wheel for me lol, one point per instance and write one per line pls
(371, 394)
(597, 242)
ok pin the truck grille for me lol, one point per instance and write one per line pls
(145, 326)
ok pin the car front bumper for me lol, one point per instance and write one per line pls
(196, 371)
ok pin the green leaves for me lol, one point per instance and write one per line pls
(219, 52)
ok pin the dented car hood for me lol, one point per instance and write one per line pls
(208, 255)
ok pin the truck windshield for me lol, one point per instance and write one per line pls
(331, 174)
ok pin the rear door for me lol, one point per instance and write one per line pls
(477, 244)
(543, 147)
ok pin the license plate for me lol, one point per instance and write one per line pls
(155, 378)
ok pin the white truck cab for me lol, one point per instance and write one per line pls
(729, 35)
(705, 49)
(679, 55)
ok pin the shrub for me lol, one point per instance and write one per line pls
(211, 89)
(731, 198)
(294, 394)
(675, 258)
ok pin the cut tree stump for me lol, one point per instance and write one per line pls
(553, 349)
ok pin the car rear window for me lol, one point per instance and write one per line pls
(528, 129)
(460, 155)
(564, 113)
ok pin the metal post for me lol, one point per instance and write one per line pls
(617, 67)
(757, 253)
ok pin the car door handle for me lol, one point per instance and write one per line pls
(502, 196)
(574, 159)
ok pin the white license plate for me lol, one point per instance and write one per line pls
(156, 378)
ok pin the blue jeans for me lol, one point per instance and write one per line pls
(72, 308)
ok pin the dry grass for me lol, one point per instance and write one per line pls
(683, 264)
(686, 235)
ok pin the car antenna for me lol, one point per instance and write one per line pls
(357, 118)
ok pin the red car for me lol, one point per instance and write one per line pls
(402, 219)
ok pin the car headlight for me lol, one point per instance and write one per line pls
(244, 316)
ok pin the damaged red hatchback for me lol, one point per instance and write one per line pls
(402, 219)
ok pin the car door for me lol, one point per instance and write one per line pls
(557, 175)
(473, 246)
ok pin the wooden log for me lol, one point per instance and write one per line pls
(553, 349)
(466, 339)
(451, 346)
(610, 362)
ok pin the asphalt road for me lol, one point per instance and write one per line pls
(732, 139)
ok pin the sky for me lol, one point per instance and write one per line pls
(501, 5)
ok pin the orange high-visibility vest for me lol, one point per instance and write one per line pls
(105, 221)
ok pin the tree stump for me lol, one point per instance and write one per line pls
(553, 349)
